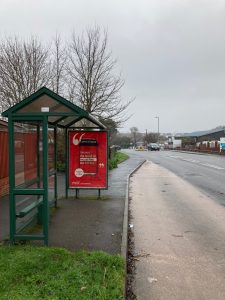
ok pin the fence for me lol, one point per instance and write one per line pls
(205, 146)
(4, 168)
(25, 159)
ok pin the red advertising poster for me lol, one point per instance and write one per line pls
(88, 159)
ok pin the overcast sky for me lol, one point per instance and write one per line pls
(171, 52)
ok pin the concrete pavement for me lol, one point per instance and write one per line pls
(94, 224)
(86, 223)
(179, 238)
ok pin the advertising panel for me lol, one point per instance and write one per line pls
(88, 159)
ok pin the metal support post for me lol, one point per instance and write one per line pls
(55, 166)
(12, 210)
(66, 162)
(45, 180)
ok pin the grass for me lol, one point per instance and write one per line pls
(121, 157)
(32, 273)
(118, 158)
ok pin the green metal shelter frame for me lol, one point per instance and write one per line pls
(37, 114)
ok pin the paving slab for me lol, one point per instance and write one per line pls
(85, 223)
(94, 224)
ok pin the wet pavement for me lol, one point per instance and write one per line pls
(87, 223)
(94, 224)
(178, 235)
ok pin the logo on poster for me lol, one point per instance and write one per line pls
(76, 141)
(79, 172)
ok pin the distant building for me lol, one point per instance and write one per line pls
(207, 135)
(208, 140)
(174, 143)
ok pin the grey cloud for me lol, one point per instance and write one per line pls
(171, 52)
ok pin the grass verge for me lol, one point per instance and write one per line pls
(32, 273)
(117, 159)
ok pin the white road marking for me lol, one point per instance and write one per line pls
(191, 160)
(197, 162)
(174, 156)
(212, 166)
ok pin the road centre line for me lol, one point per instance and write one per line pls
(197, 162)
(191, 160)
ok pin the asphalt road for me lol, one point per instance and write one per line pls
(179, 231)
(204, 171)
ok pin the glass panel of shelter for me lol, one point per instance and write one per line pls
(44, 101)
(84, 123)
(68, 120)
(27, 200)
(52, 174)
(29, 209)
(28, 153)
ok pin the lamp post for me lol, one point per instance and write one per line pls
(146, 135)
(158, 128)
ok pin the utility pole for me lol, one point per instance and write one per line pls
(158, 128)
(146, 135)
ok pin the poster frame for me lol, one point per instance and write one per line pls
(68, 155)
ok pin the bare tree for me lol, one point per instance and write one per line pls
(122, 140)
(151, 137)
(24, 68)
(59, 61)
(93, 84)
(134, 133)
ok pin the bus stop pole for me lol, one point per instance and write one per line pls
(55, 163)
(66, 163)
(12, 210)
(45, 180)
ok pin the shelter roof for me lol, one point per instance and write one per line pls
(60, 111)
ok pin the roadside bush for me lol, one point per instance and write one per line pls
(117, 159)
(113, 163)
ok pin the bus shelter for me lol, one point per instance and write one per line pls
(33, 130)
